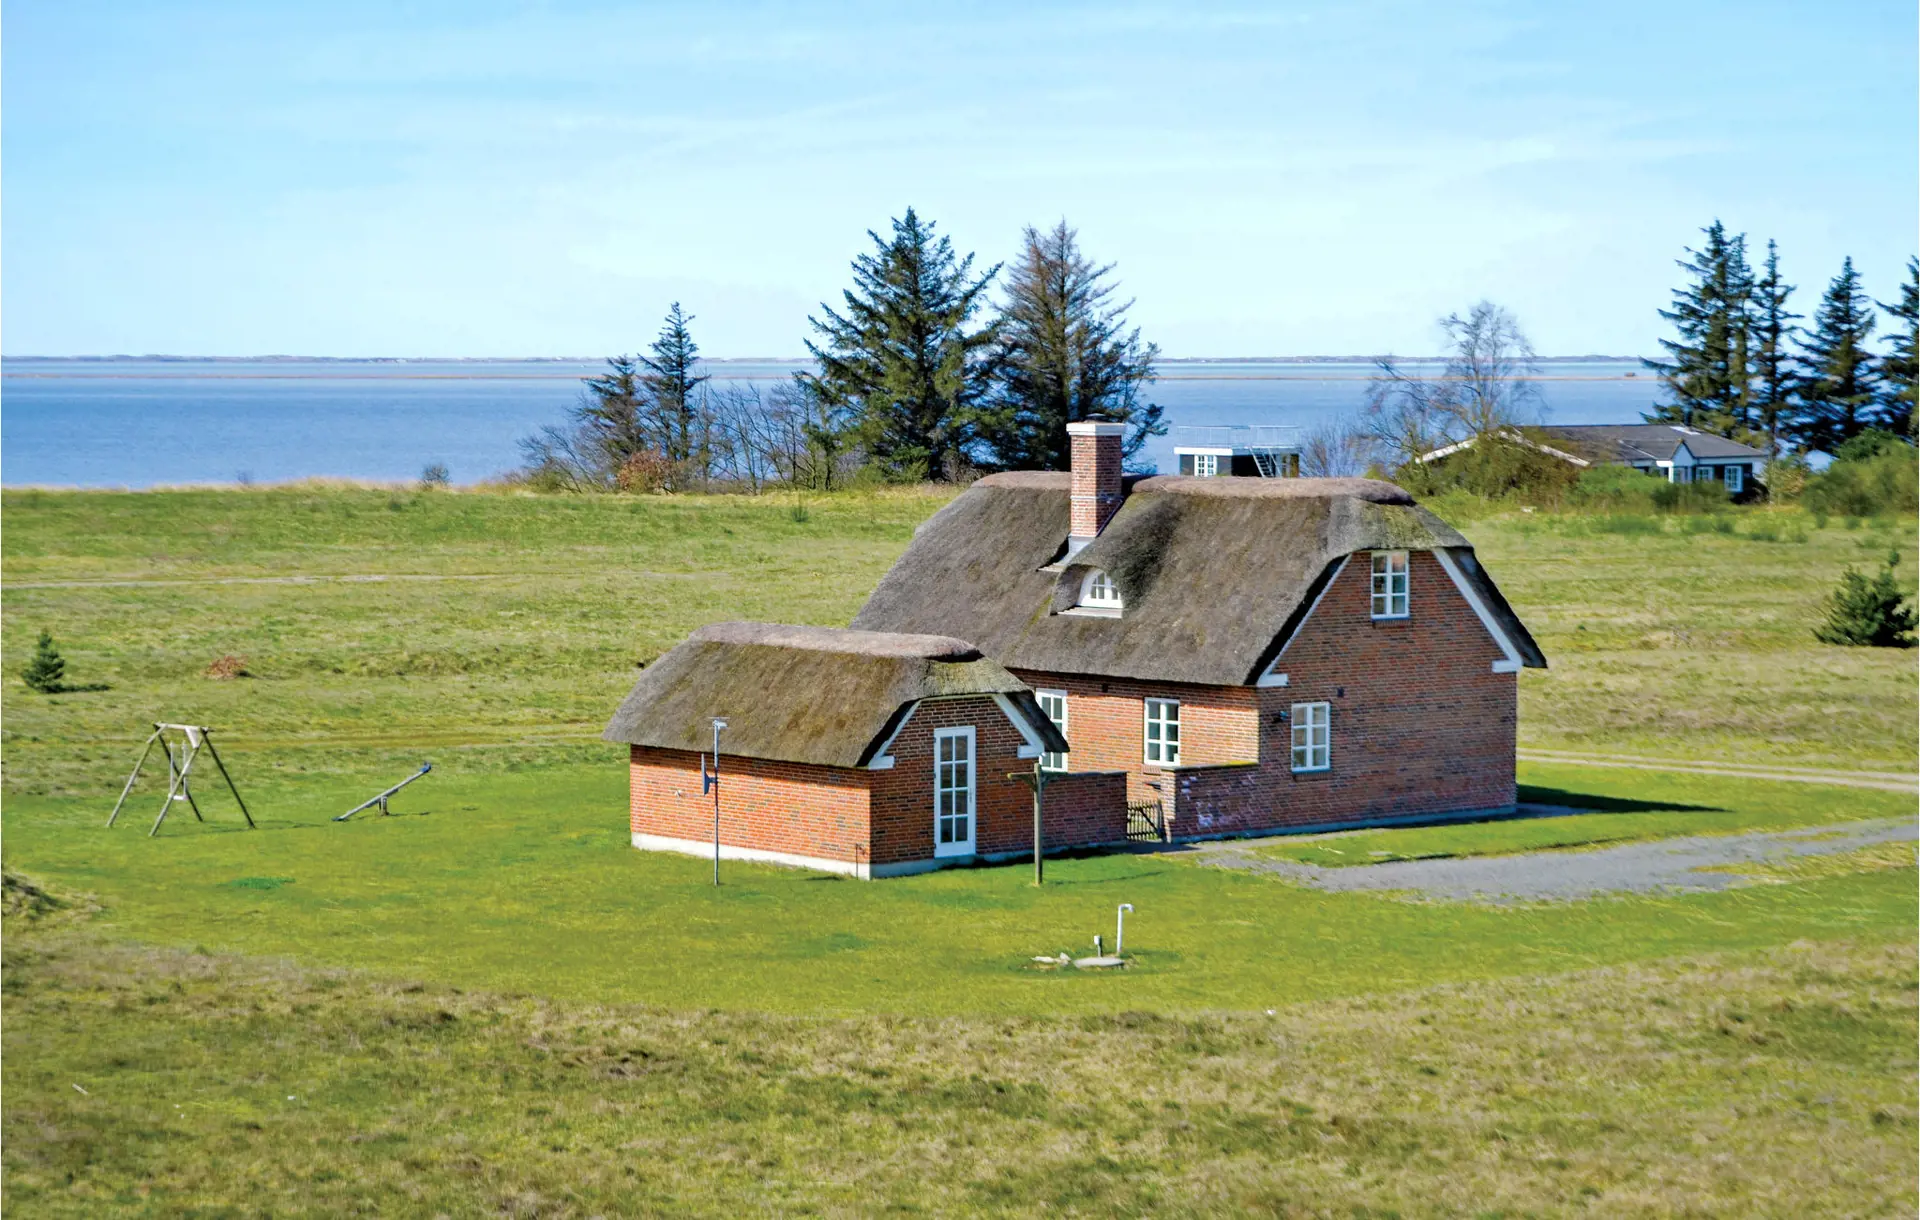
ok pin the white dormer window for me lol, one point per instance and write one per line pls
(1389, 584)
(1098, 592)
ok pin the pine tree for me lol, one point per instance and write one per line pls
(1897, 368)
(47, 670)
(1838, 381)
(903, 358)
(1867, 610)
(1064, 353)
(1706, 376)
(1773, 373)
(670, 382)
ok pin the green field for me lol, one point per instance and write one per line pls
(490, 1003)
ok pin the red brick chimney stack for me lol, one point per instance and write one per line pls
(1096, 476)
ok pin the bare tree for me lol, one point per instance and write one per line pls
(1334, 448)
(1486, 387)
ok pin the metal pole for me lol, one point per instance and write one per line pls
(718, 724)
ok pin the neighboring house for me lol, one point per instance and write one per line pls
(1672, 451)
(1256, 654)
(857, 752)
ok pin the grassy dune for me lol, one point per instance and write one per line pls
(491, 1004)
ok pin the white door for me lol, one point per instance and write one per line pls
(953, 792)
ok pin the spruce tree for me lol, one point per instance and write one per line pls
(670, 382)
(611, 413)
(1868, 611)
(903, 358)
(46, 670)
(1773, 371)
(1706, 375)
(1894, 412)
(1064, 353)
(1837, 373)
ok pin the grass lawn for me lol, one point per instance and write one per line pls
(490, 1003)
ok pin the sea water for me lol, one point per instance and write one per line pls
(138, 423)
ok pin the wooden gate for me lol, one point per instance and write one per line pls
(1146, 823)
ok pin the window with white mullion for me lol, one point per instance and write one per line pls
(1206, 465)
(1054, 704)
(1098, 590)
(1312, 736)
(1390, 584)
(1163, 732)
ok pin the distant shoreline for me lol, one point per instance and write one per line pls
(797, 362)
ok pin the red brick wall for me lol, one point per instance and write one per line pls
(1106, 725)
(1420, 723)
(800, 808)
(903, 796)
(1085, 808)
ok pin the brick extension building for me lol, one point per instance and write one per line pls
(872, 754)
(1235, 655)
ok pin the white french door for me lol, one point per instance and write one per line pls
(953, 792)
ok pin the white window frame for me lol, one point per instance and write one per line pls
(1206, 465)
(1162, 748)
(1058, 698)
(1735, 478)
(942, 787)
(1098, 592)
(1391, 593)
(1312, 736)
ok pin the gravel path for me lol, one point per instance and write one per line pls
(1660, 865)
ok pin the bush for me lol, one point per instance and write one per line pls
(1613, 488)
(1497, 468)
(1875, 473)
(1867, 610)
(1702, 497)
(46, 671)
(644, 472)
(1787, 477)
(435, 475)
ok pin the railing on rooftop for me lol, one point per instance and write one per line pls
(1259, 436)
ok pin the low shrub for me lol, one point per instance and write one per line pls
(1612, 488)
(1702, 497)
(1874, 474)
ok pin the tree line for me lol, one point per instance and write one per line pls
(1740, 364)
(922, 371)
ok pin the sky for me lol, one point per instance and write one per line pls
(509, 180)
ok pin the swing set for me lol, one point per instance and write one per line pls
(182, 744)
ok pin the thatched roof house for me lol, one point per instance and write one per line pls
(823, 695)
(1213, 572)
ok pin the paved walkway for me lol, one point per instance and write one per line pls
(1659, 865)
(1889, 781)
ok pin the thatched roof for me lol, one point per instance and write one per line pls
(1214, 572)
(805, 694)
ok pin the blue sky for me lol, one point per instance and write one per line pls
(480, 179)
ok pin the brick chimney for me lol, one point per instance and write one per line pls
(1096, 477)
